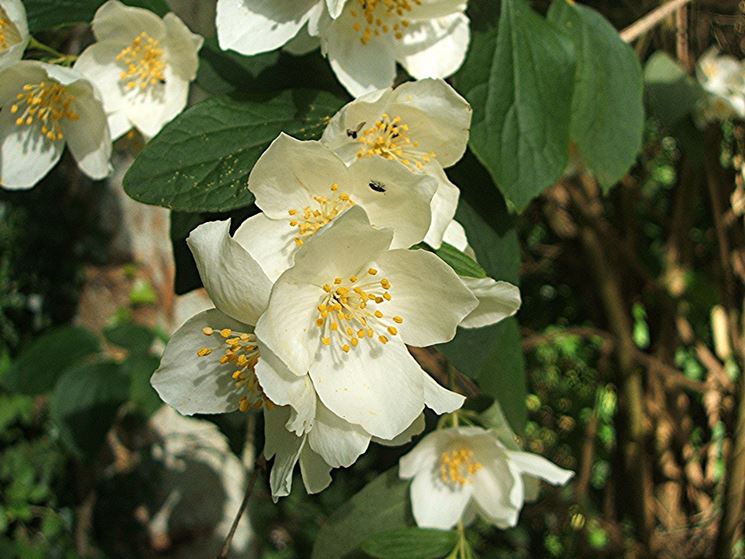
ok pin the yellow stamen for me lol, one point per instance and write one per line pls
(143, 63)
(457, 466)
(389, 138)
(348, 312)
(377, 17)
(9, 34)
(310, 220)
(241, 353)
(45, 104)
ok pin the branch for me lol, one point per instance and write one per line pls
(258, 466)
(651, 20)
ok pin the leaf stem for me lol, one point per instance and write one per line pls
(59, 57)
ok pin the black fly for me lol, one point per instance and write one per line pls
(352, 132)
(376, 186)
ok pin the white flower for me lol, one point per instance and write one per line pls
(497, 299)
(460, 472)
(45, 107)
(429, 38)
(723, 79)
(210, 366)
(142, 65)
(423, 125)
(253, 26)
(302, 186)
(343, 314)
(14, 34)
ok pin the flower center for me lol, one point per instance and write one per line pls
(350, 311)
(379, 17)
(9, 35)
(47, 104)
(143, 63)
(241, 353)
(389, 138)
(312, 219)
(457, 466)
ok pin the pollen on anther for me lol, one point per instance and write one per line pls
(207, 331)
(204, 352)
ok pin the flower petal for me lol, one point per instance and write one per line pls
(98, 64)
(444, 205)
(284, 446)
(116, 22)
(302, 43)
(254, 26)
(439, 118)
(438, 398)
(271, 242)
(335, 7)
(235, 281)
(361, 68)
(25, 155)
(393, 197)
(287, 327)
(194, 384)
(286, 389)
(340, 249)
(428, 295)
(434, 48)
(416, 427)
(338, 442)
(354, 117)
(315, 471)
(424, 456)
(436, 505)
(497, 301)
(88, 137)
(119, 124)
(376, 386)
(537, 466)
(492, 486)
(182, 46)
(290, 172)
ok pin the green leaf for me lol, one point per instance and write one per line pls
(84, 404)
(225, 71)
(383, 504)
(201, 160)
(607, 107)
(411, 543)
(519, 78)
(139, 368)
(491, 355)
(39, 365)
(495, 419)
(135, 338)
(671, 93)
(463, 264)
(47, 14)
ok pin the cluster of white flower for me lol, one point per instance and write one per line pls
(136, 75)
(318, 296)
(723, 79)
(363, 39)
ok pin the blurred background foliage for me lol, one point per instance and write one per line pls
(78, 474)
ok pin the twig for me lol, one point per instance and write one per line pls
(681, 42)
(652, 19)
(258, 466)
